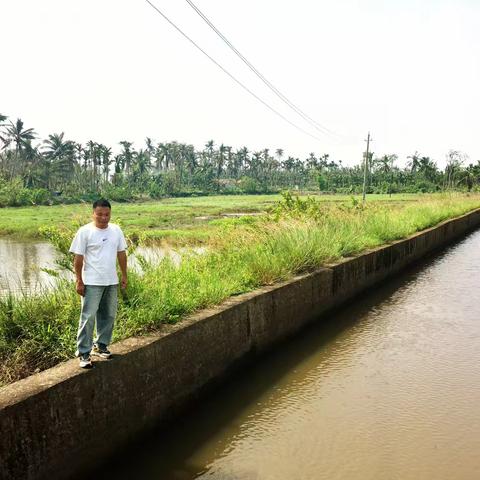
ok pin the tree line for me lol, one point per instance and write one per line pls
(56, 169)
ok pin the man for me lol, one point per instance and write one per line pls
(97, 246)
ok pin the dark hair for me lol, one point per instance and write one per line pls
(101, 202)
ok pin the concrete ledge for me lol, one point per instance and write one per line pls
(56, 422)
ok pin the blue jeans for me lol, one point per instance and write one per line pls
(100, 304)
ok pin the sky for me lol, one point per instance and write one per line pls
(408, 71)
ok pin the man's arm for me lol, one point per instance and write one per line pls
(122, 261)
(77, 266)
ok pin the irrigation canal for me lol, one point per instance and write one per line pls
(387, 388)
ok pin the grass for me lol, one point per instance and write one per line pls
(167, 216)
(39, 331)
(178, 220)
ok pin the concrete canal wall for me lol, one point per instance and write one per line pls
(55, 423)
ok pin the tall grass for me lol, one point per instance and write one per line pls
(39, 331)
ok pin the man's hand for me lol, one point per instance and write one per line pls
(80, 288)
(122, 262)
(77, 267)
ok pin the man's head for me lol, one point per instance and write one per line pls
(101, 213)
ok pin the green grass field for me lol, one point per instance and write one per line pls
(175, 219)
(36, 332)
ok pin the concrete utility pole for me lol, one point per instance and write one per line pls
(365, 168)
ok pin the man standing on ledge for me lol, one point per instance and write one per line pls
(96, 247)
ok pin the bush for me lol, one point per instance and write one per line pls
(40, 196)
(117, 193)
(250, 185)
(13, 194)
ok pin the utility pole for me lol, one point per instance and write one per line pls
(365, 168)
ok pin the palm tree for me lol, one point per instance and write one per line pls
(188, 153)
(106, 161)
(255, 164)
(127, 155)
(56, 147)
(279, 153)
(312, 162)
(141, 166)
(455, 159)
(428, 168)
(150, 149)
(150, 146)
(2, 138)
(94, 161)
(15, 133)
(31, 166)
(176, 157)
(414, 162)
(209, 149)
(118, 169)
(230, 162)
(162, 156)
(288, 164)
(385, 167)
(242, 160)
(60, 154)
(220, 162)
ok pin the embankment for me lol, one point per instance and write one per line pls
(56, 422)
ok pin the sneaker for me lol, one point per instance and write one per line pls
(101, 351)
(85, 361)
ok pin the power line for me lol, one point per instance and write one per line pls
(272, 87)
(229, 74)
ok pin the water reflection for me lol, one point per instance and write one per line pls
(20, 263)
(387, 388)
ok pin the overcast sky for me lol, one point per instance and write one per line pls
(111, 70)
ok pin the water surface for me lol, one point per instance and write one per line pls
(389, 388)
(20, 265)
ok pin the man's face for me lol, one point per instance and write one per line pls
(101, 216)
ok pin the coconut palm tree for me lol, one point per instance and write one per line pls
(60, 155)
(15, 133)
(162, 156)
(209, 149)
(414, 162)
(127, 154)
(222, 150)
(190, 158)
(242, 160)
(428, 169)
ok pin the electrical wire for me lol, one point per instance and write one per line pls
(229, 74)
(272, 87)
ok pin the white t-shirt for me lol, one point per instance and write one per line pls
(99, 247)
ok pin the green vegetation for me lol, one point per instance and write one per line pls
(169, 217)
(59, 171)
(297, 236)
(178, 220)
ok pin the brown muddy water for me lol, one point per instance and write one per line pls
(21, 264)
(387, 388)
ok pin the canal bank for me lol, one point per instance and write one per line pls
(57, 421)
